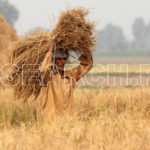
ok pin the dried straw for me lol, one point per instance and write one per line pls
(74, 32)
(28, 53)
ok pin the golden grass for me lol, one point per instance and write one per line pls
(105, 119)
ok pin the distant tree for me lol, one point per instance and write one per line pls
(9, 11)
(139, 29)
(112, 38)
(141, 33)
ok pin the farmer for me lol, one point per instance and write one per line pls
(57, 92)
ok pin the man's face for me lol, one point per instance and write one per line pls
(60, 63)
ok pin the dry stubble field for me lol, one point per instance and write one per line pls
(105, 118)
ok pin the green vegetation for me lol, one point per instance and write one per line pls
(122, 54)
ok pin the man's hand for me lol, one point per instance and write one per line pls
(86, 58)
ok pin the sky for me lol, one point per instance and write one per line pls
(41, 13)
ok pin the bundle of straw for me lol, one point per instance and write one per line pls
(72, 33)
(27, 55)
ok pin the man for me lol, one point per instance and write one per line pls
(57, 95)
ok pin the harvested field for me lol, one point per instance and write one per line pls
(105, 118)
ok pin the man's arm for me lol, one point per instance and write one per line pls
(86, 64)
(46, 65)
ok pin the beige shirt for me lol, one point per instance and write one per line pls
(57, 94)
